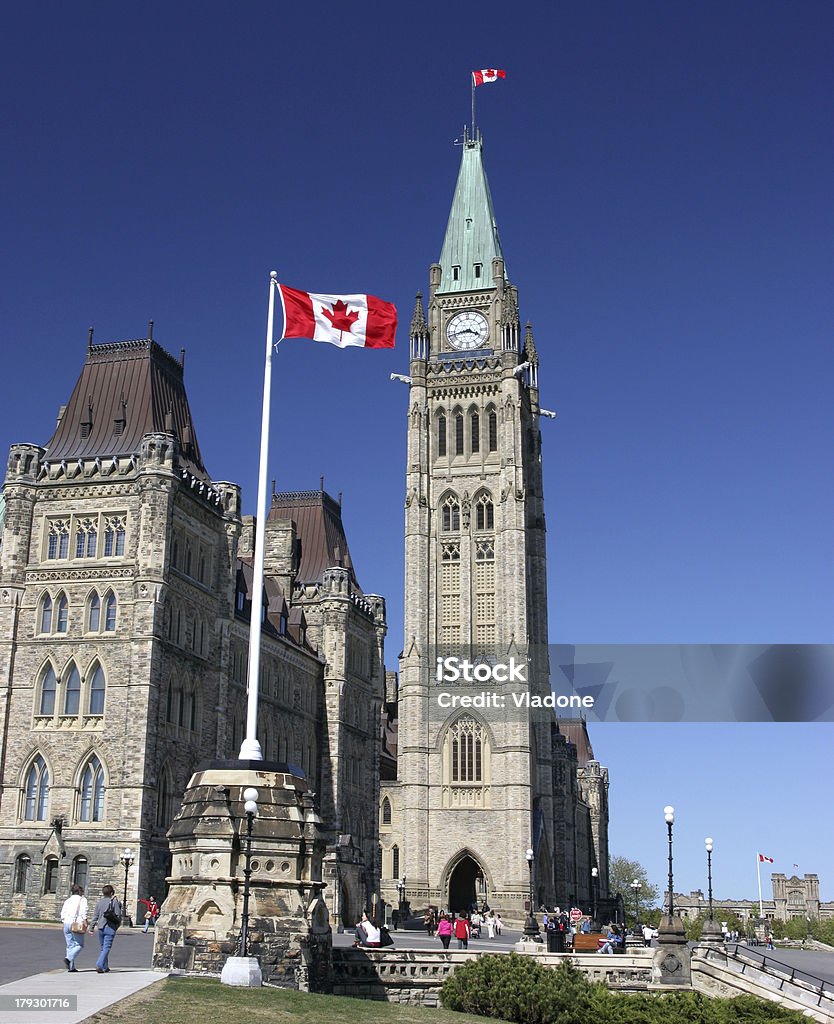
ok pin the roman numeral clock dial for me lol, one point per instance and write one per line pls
(467, 331)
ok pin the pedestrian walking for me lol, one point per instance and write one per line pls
(107, 916)
(74, 920)
(499, 925)
(444, 930)
(490, 923)
(462, 932)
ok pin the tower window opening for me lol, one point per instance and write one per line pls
(478, 268)
(459, 433)
(492, 430)
(441, 435)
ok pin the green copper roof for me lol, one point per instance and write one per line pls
(471, 235)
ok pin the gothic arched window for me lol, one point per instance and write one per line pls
(49, 687)
(450, 515)
(459, 433)
(94, 613)
(50, 876)
(72, 691)
(467, 752)
(110, 612)
(166, 798)
(46, 614)
(80, 867)
(91, 807)
(36, 791)
(61, 614)
(474, 432)
(22, 870)
(97, 691)
(395, 862)
(441, 434)
(492, 430)
(386, 811)
(484, 513)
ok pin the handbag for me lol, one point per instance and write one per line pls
(79, 927)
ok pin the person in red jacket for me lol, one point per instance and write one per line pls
(462, 932)
(151, 913)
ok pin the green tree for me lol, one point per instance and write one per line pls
(621, 873)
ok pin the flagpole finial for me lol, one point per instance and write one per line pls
(274, 275)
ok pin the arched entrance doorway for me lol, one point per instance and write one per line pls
(464, 892)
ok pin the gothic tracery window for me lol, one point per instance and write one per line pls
(36, 791)
(72, 691)
(441, 434)
(466, 747)
(450, 515)
(91, 806)
(484, 513)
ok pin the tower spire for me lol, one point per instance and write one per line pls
(471, 242)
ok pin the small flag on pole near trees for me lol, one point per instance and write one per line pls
(363, 321)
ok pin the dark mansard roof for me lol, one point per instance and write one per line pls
(126, 389)
(320, 532)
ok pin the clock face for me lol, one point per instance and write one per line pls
(467, 330)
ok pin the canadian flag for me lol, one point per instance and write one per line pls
(765, 860)
(487, 75)
(344, 320)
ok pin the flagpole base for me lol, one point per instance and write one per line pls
(250, 750)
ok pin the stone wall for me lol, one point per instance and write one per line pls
(416, 976)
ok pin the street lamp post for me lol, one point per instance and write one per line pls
(636, 886)
(126, 857)
(708, 844)
(250, 806)
(531, 928)
(594, 883)
(669, 815)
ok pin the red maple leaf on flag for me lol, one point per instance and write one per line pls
(341, 318)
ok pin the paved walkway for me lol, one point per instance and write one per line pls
(92, 992)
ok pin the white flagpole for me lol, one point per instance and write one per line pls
(759, 876)
(250, 749)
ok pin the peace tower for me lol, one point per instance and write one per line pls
(475, 787)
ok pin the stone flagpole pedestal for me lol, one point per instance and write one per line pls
(198, 930)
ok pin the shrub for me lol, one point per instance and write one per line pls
(518, 989)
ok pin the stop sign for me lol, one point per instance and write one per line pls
(576, 914)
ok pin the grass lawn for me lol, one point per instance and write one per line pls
(192, 1000)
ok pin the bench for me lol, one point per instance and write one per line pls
(589, 942)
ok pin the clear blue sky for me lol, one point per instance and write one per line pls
(662, 181)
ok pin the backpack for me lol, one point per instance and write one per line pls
(111, 917)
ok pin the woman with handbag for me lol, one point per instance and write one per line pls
(74, 920)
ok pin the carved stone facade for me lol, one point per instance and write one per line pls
(125, 575)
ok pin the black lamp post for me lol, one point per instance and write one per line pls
(708, 844)
(531, 928)
(669, 815)
(126, 857)
(636, 886)
(250, 806)
(594, 884)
